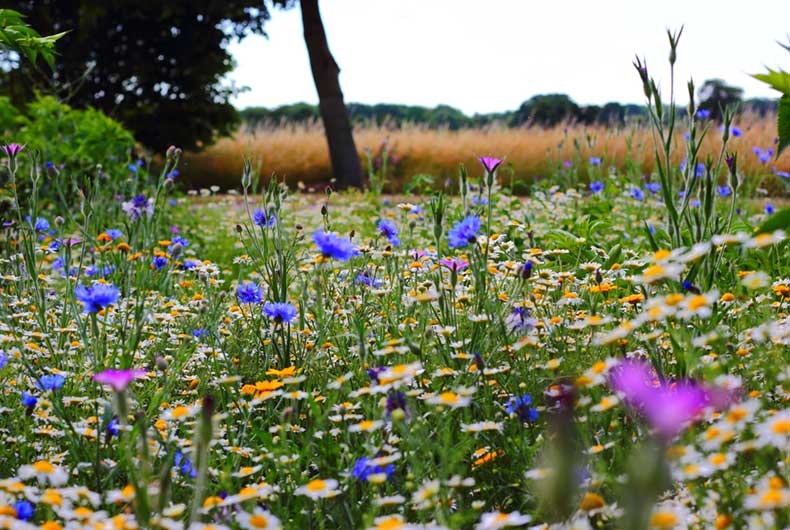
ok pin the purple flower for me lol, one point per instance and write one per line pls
(97, 296)
(653, 187)
(454, 264)
(137, 206)
(637, 193)
(333, 246)
(11, 150)
(703, 114)
(490, 163)
(769, 209)
(667, 406)
(724, 191)
(596, 186)
(280, 312)
(118, 379)
(736, 132)
(464, 232)
(595, 161)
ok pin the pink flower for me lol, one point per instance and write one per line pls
(490, 163)
(118, 379)
(12, 149)
(668, 406)
(454, 264)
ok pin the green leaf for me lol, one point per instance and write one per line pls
(776, 79)
(783, 124)
(778, 221)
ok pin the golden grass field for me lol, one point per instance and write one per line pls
(299, 152)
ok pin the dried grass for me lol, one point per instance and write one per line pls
(299, 152)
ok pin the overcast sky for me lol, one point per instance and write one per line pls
(491, 55)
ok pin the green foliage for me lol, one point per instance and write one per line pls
(17, 36)
(776, 79)
(783, 124)
(778, 221)
(157, 68)
(76, 139)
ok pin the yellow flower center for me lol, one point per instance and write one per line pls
(781, 426)
(259, 521)
(316, 485)
(42, 466)
(664, 520)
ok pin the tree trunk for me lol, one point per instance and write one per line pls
(337, 125)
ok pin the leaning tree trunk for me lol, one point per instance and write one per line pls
(337, 125)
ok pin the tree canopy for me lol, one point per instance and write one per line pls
(157, 67)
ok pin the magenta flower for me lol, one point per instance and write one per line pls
(11, 150)
(490, 163)
(668, 406)
(454, 264)
(118, 379)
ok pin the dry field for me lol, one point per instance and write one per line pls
(299, 153)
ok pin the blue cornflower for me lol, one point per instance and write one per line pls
(261, 218)
(50, 382)
(133, 168)
(114, 233)
(41, 224)
(653, 187)
(199, 332)
(112, 427)
(596, 186)
(769, 209)
(178, 240)
(694, 203)
(24, 510)
(703, 114)
(97, 296)
(736, 132)
(464, 231)
(3, 359)
(184, 465)
(333, 246)
(783, 174)
(363, 469)
(595, 161)
(280, 311)
(367, 280)
(637, 193)
(520, 406)
(249, 293)
(159, 262)
(479, 201)
(700, 170)
(390, 231)
(190, 264)
(29, 400)
(57, 264)
(724, 191)
(91, 270)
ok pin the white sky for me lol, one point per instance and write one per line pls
(491, 55)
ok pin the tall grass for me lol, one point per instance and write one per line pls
(299, 153)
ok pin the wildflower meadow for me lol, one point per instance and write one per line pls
(612, 352)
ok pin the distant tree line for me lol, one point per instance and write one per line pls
(544, 110)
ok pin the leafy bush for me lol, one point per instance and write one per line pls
(78, 140)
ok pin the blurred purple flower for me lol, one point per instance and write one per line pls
(490, 163)
(118, 379)
(667, 406)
